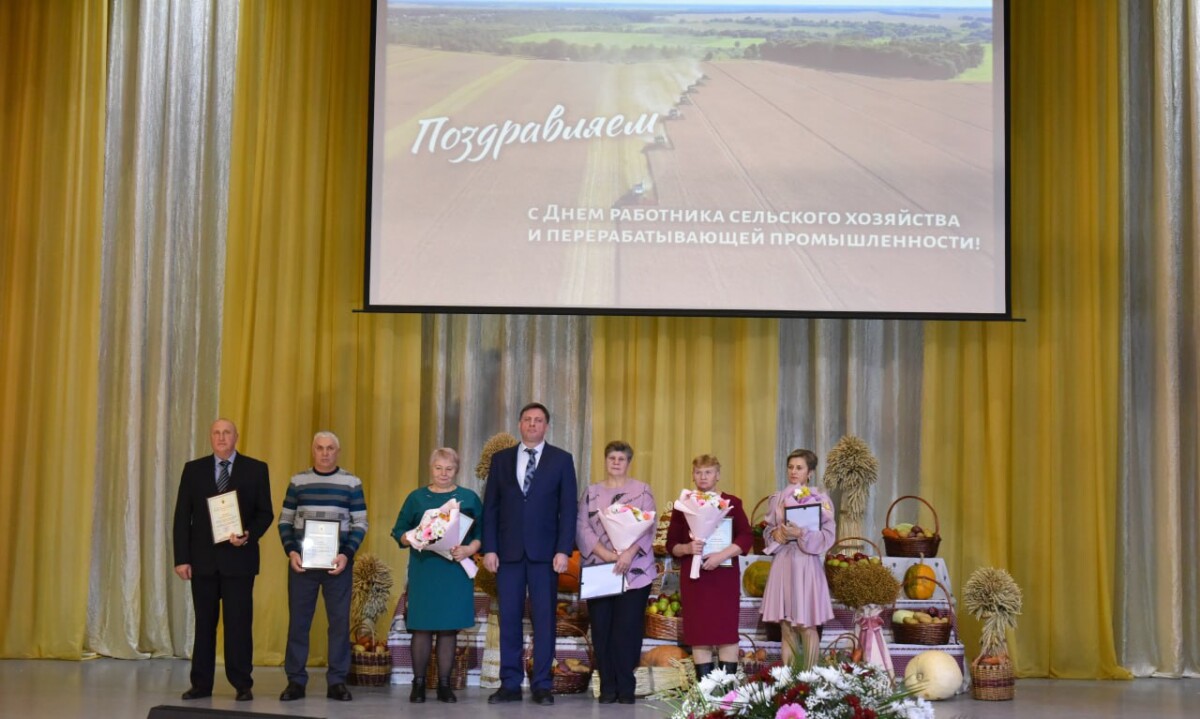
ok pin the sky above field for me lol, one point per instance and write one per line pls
(865, 4)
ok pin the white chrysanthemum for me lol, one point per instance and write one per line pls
(914, 708)
(782, 674)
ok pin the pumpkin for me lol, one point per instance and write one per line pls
(568, 581)
(933, 675)
(919, 580)
(662, 656)
(754, 578)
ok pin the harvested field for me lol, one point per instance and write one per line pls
(756, 136)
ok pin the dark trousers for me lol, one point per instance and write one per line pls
(302, 604)
(618, 626)
(512, 582)
(236, 594)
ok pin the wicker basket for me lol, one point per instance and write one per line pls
(369, 669)
(575, 622)
(568, 682)
(760, 540)
(913, 546)
(845, 648)
(755, 665)
(660, 627)
(992, 682)
(655, 680)
(831, 571)
(458, 671)
(929, 634)
(660, 533)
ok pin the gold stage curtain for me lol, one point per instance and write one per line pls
(1019, 440)
(295, 359)
(674, 388)
(52, 69)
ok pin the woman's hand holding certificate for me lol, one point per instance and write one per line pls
(703, 512)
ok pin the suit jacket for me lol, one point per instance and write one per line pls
(536, 526)
(193, 527)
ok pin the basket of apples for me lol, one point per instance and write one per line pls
(911, 540)
(664, 617)
(835, 561)
(370, 662)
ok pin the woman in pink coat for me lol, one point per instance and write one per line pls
(797, 595)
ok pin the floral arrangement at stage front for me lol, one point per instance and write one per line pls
(842, 691)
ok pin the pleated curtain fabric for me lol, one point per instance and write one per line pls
(170, 94)
(1158, 577)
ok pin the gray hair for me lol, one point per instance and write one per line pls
(327, 435)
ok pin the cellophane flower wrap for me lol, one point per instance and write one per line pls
(439, 532)
(841, 691)
(703, 512)
(625, 523)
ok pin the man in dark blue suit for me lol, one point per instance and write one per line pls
(529, 507)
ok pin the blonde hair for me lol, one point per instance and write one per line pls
(706, 460)
(446, 453)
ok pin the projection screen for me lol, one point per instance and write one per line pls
(783, 158)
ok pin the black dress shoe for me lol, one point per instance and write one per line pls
(607, 698)
(244, 695)
(502, 695)
(195, 693)
(417, 695)
(293, 692)
(625, 699)
(445, 694)
(339, 692)
(543, 697)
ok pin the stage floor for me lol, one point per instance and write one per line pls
(128, 689)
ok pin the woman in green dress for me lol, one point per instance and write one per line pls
(441, 597)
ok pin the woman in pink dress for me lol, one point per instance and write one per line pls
(797, 595)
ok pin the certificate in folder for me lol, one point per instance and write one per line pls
(807, 516)
(598, 580)
(721, 538)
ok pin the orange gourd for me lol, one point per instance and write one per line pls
(568, 581)
(919, 580)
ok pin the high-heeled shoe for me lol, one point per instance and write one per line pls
(417, 696)
(445, 694)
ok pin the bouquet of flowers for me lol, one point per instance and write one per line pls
(439, 532)
(842, 691)
(799, 495)
(703, 511)
(624, 523)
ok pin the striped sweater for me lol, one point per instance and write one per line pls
(335, 496)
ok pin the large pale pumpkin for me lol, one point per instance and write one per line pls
(919, 581)
(933, 675)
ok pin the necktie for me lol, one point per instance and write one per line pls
(529, 467)
(223, 477)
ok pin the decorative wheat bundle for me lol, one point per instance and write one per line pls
(370, 593)
(851, 469)
(504, 440)
(992, 596)
(868, 588)
(485, 581)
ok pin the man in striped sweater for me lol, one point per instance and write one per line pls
(323, 492)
